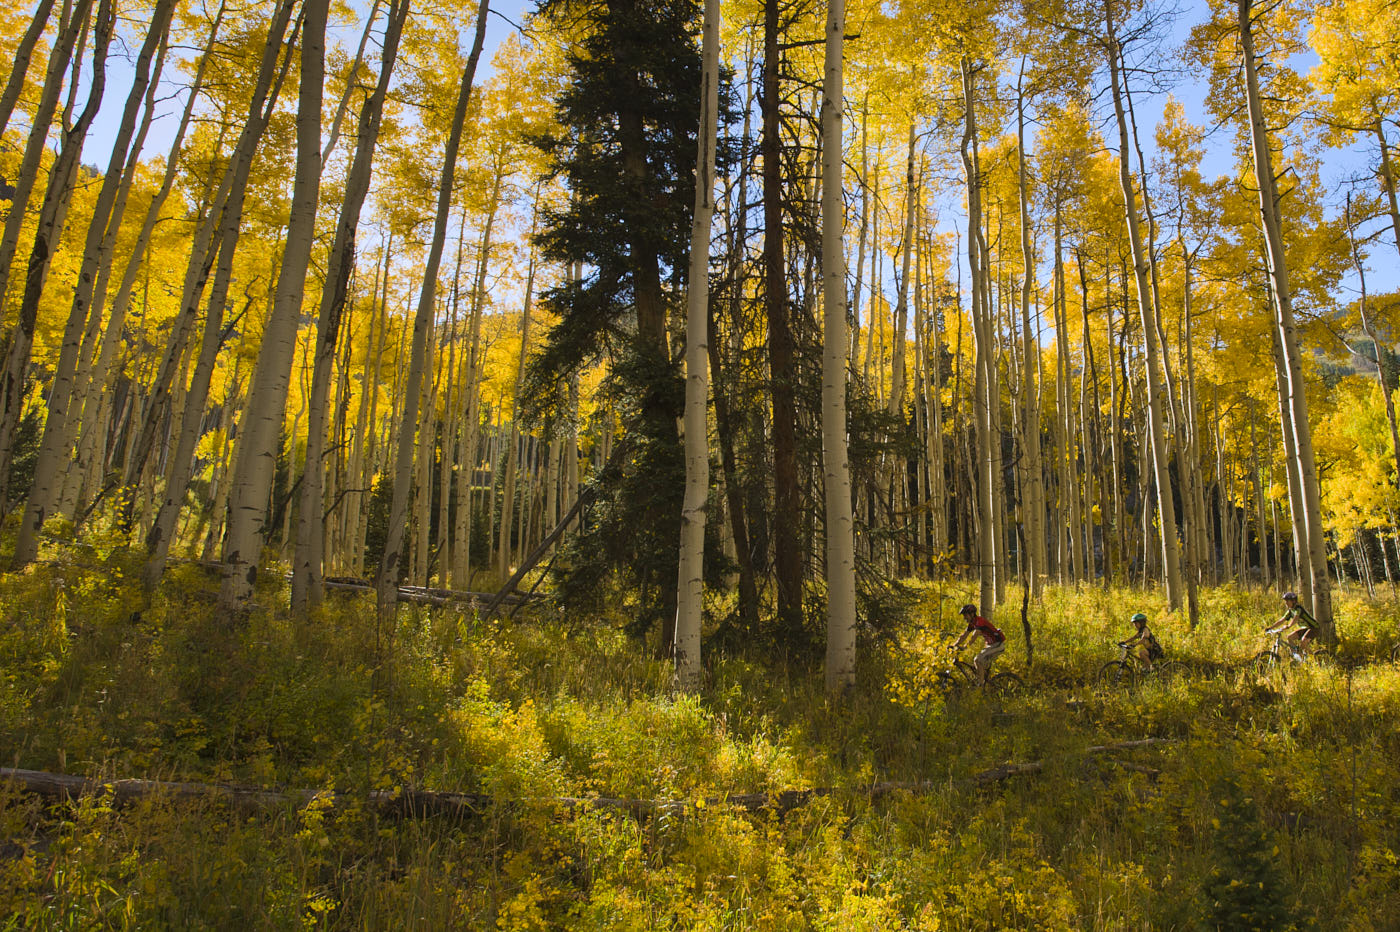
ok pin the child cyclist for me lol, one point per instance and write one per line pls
(995, 641)
(1300, 619)
(1143, 643)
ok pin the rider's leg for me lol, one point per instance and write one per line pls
(1143, 655)
(983, 661)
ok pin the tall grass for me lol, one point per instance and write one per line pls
(547, 708)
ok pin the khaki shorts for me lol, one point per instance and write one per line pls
(986, 655)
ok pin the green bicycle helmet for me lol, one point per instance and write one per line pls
(1139, 619)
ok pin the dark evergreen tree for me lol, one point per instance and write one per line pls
(627, 150)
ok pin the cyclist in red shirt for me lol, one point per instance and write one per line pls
(995, 641)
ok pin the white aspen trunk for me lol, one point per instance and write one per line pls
(71, 486)
(19, 64)
(308, 568)
(508, 487)
(690, 590)
(352, 84)
(179, 469)
(387, 582)
(205, 241)
(1297, 408)
(104, 349)
(860, 239)
(1166, 505)
(69, 32)
(986, 554)
(471, 387)
(901, 310)
(425, 455)
(56, 442)
(1035, 491)
(256, 456)
(840, 533)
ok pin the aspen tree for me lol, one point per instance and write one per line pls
(389, 566)
(99, 351)
(47, 236)
(984, 381)
(72, 24)
(1034, 495)
(23, 52)
(1166, 503)
(205, 243)
(508, 487)
(840, 537)
(262, 421)
(308, 589)
(1291, 373)
(56, 443)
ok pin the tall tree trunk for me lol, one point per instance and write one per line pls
(65, 43)
(787, 552)
(387, 581)
(503, 551)
(471, 388)
(1034, 504)
(98, 352)
(986, 554)
(56, 443)
(1166, 504)
(840, 534)
(262, 423)
(20, 63)
(47, 236)
(1283, 315)
(307, 565)
(690, 589)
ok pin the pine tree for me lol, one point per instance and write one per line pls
(627, 150)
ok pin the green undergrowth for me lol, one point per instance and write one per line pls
(1265, 802)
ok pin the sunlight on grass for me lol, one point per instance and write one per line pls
(537, 711)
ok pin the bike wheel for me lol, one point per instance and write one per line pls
(1395, 653)
(948, 684)
(1005, 684)
(1115, 673)
(1266, 661)
(1164, 671)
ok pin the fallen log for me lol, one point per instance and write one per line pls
(415, 803)
(1007, 771)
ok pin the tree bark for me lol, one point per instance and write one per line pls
(1297, 407)
(1166, 504)
(65, 42)
(986, 554)
(56, 443)
(307, 565)
(840, 533)
(262, 422)
(389, 566)
(47, 236)
(787, 551)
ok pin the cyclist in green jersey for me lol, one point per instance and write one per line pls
(1143, 643)
(1300, 619)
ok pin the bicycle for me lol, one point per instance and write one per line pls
(960, 675)
(1272, 657)
(1128, 667)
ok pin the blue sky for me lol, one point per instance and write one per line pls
(1384, 267)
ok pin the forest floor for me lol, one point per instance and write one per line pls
(1267, 800)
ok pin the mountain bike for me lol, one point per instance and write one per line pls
(1280, 653)
(1128, 668)
(961, 675)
